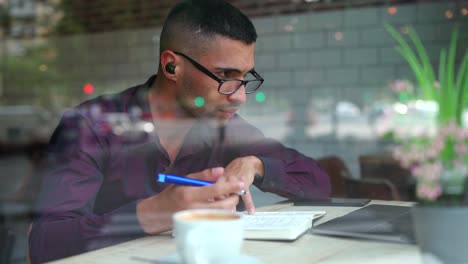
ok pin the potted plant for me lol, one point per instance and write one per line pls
(438, 161)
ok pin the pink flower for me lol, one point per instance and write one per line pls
(429, 192)
(428, 172)
(452, 128)
(443, 132)
(434, 192)
(460, 149)
(423, 155)
(432, 153)
(416, 171)
(438, 144)
(405, 164)
(461, 134)
(434, 171)
(400, 86)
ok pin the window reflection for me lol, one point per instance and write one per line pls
(327, 66)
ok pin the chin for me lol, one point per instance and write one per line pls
(225, 118)
(222, 121)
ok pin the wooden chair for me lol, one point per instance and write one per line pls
(385, 167)
(378, 189)
(343, 185)
(338, 173)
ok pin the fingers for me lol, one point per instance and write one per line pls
(212, 174)
(198, 196)
(219, 190)
(229, 203)
(248, 202)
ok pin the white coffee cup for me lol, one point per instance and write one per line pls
(208, 236)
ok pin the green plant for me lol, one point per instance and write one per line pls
(439, 163)
(449, 88)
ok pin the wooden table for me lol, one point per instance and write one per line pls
(308, 249)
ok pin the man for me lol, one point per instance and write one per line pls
(99, 182)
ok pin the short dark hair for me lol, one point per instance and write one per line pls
(191, 21)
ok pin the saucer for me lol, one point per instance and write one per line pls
(242, 259)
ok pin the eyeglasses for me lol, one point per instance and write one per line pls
(229, 86)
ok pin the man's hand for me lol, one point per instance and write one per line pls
(155, 213)
(244, 170)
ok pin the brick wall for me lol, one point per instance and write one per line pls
(104, 16)
(310, 61)
(345, 55)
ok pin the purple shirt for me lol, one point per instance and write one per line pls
(102, 162)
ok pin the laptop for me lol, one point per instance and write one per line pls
(377, 222)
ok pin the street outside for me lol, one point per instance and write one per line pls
(13, 169)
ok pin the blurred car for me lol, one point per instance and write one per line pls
(24, 125)
(406, 119)
(126, 126)
(346, 109)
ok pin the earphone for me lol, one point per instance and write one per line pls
(170, 68)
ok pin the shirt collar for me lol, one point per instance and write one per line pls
(204, 133)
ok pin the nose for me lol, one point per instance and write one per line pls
(239, 96)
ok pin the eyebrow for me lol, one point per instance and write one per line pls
(232, 69)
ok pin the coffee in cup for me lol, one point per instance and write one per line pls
(208, 236)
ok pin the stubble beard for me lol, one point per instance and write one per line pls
(186, 101)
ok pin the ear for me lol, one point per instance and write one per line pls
(169, 64)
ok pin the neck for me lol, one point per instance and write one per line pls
(165, 106)
(170, 122)
(163, 101)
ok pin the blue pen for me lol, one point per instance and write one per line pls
(180, 180)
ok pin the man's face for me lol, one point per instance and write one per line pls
(199, 95)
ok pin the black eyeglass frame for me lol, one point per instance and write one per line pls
(221, 81)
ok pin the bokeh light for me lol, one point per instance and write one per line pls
(449, 14)
(43, 67)
(199, 101)
(88, 88)
(464, 11)
(392, 10)
(260, 97)
(338, 36)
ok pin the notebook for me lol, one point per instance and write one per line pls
(379, 222)
(279, 225)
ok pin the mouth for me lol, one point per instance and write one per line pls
(228, 112)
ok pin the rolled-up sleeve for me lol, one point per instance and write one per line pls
(288, 172)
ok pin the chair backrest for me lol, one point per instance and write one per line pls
(375, 189)
(338, 172)
(385, 167)
(345, 186)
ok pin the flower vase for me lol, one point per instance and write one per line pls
(441, 233)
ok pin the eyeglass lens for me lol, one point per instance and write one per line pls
(231, 86)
